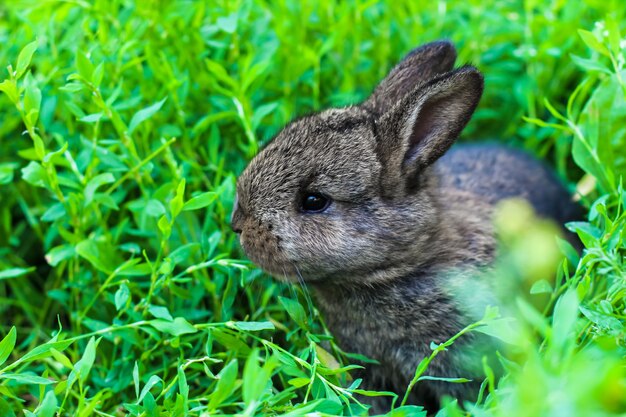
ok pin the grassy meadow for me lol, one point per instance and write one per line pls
(123, 127)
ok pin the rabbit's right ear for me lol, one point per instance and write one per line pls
(422, 126)
(418, 66)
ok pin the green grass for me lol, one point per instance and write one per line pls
(123, 126)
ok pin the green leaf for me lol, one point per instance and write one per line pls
(210, 119)
(256, 378)
(213, 241)
(603, 134)
(6, 172)
(370, 393)
(43, 351)
(261, 112)
(506, 329)
(612, 27)
(200, 201)
(60, 254)
(132, 268)
(24, 58)
(97, 255)
(407, 411)
(176, 204)
(218, 71)
(72, 88)
(176, 327)
(121, 296)
(605, 321)
(98, 74)
(154, 208)
(91, 118)
(541, 287)
(40, 148)
(251, 378)
(95, 183)
(83, 366)
(563, 321)
(316, 407)
(136, 379)
(183, 387)
(27, 379)
(48, 406)
(149, 404)
(144, 114)
(55, 156)
(184, 253)
(225, 385)
(165, 227)
(439, 378)
(588, 233)
(592, 42)
(84, 66)
(152, 381)
(160, 312)
(299, 382)
(228, 23)
(7, 344)
(54, 212)
(5, 409)
(15, 272)
(568, 250)
(61, 358)
(32, 104)
(252, 326)
(10, 89)
(590, 64)
(295, 311)
(34, 174)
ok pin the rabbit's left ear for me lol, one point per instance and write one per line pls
(424, 124)
(417, 67)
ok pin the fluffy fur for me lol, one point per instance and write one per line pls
(407, 227)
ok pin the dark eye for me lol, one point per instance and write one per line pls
(315, 202)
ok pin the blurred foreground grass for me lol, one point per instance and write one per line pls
(123, 125)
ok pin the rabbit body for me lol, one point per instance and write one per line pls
(396, 322)
(390, 230)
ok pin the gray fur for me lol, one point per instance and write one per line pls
(408, 228)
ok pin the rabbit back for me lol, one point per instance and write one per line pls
(496, 172)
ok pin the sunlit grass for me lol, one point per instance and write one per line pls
(124, 125)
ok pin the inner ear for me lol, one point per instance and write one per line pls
(434, 129)
(420, 128)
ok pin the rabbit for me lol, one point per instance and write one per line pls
(366, 205)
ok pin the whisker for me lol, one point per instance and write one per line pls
(292, 290)
(305, 291)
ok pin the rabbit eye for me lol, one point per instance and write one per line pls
(315, 202)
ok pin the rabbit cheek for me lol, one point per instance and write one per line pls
(315, 247)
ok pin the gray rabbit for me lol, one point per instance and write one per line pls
(365, 204)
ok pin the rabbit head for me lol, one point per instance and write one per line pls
(348, 194)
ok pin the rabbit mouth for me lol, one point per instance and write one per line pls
(279, 268)
(266, 253)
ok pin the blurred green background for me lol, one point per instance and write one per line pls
(123, 125)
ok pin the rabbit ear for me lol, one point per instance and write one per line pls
(424, 124)
(418, 66)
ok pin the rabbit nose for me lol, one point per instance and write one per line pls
(236, 228)
(236, 221)
(236, 218)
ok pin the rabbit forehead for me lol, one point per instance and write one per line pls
(335, 147)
